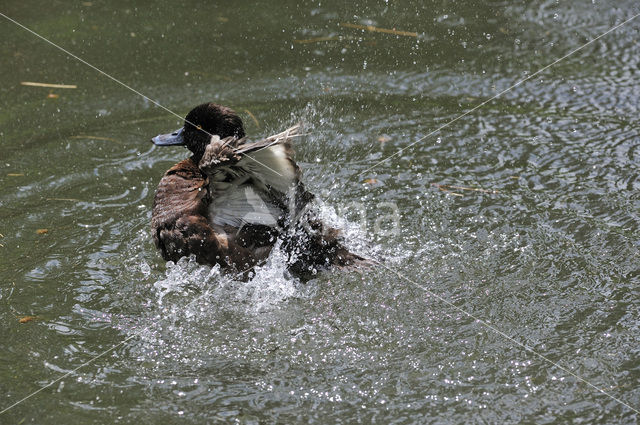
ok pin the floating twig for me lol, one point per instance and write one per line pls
(53, 86)
(371, 28)
(473, 189)
(63, 199)
(253, 117)
(450, 191)
(15, 174)
(109, 139)
(316, 40)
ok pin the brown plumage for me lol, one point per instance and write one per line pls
(181, 227)
(231, 201)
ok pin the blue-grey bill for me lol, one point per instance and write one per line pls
(170, 139)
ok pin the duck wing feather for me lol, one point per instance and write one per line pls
(180, 224)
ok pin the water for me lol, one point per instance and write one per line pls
(547, 252)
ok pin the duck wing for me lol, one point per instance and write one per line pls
(256, 179)
(269, 160)
(243, 147)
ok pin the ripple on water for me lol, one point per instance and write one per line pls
(547, 253)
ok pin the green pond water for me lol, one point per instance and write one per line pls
(544, 253)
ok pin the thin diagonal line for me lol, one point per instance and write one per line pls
(68, 373)
(90, 66)
(86, 363)
(484, 323)
(504, 335)
(500, 94)
(116, 80)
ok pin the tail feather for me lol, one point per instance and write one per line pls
(315, 246)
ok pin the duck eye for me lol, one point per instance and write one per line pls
(199, 127)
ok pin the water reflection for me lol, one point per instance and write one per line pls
(547, 253)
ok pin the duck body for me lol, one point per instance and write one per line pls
(233, 200)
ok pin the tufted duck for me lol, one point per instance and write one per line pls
(232, 200)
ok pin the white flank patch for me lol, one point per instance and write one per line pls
(242, 205)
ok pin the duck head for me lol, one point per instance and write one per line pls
(200, 124)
